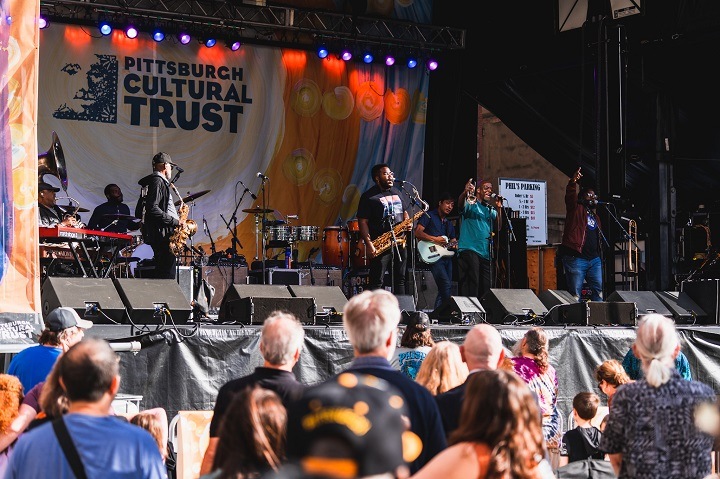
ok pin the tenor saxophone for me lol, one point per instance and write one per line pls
(383, 242)
(185, 229)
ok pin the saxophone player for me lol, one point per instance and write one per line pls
(159, 215)
(380, 208)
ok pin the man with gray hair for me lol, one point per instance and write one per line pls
(481, 351)
(281, 341)
(371, 320)
(87, 441)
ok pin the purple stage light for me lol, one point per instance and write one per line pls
(131, 32)
(431, 64)
(346, 55)
(184, 38)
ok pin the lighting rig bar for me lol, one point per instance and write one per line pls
(272, 25)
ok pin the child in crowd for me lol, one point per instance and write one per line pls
(582, 442)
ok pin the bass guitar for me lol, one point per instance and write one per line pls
(431, 252)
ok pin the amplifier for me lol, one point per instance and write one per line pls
(301, 277)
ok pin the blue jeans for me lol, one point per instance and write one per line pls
(579, 269)
(442, 273)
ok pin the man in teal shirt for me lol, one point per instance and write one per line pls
(474, 246)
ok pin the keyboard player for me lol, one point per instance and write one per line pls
(49, 213)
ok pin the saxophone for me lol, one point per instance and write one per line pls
(183, 231)
(383, 242)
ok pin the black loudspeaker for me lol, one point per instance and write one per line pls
(330, 300)
(186, 281)
(510, 305)
(460, 310)
(683, 308)
(705, 293)
(146, 298)
(235, 307)
(427, 289)
(593, 314)
(646, 302)
(407, 302)
(254, 310)
(92, 298)
(517, 273)
(553, 297)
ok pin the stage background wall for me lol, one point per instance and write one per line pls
(315, 127)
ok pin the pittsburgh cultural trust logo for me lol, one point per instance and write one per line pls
(98, 98)
(160, 93)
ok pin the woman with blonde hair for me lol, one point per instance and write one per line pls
(652, 429)
(611, 375)
(443, 368)
(533, 365)
(499, 436)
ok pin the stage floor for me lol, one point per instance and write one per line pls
(183, 368)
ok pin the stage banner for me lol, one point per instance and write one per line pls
(19, 279)
(313, 127)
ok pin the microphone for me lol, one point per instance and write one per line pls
(178, 169)
(626, 219)
(252, 195)
(399, 182)
(603, 202)
(495, 195)
(262, 177)
(292, 217)
(205, 227)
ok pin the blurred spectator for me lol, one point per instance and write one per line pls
(155, 422)
(582, 442)
(481, 351)
(252, 435)
(651, 431)
(370, 320)
(415, 344)
(63, 328)
(634, 370)
(443, 368)
(281, 341)
(103, 446)
(499, 436)
(611, 375)
(352, 426)
(11, 395)
(533, 365)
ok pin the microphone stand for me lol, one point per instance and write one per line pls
(235, 241)
(607, 244)
(263, 179)
(394, 249)
(207, 232)
(627, 237)
(510, 237)
(414, 203)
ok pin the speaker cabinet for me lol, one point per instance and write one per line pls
(460, 310)
(516, 276)
(593, 314)
(427, 289)
(553, 297)
(255, 310)
(510, 305)
(682, 307)
(145, 298)
(705, 293)
(237, 292)
(330, 300)
(94, 299)
(646, 301)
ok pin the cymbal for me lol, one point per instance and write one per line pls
(120, 216)
(257, 211)
(192, 197)
(69, 209)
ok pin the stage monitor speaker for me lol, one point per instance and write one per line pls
(683, 308)
(646, 301)
(255, 310)
(598, 313)
(427, 289)
(145, 299)
(504, 306)
(94, 299)
(705, 293)
(237, 292)
(553, 297)
(460, 310)
(330, 300)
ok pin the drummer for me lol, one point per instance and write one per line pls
(113, 215)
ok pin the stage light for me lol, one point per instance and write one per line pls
(158, 35)
(42, 22)
(431, 64)
(184, 38)
(234, 46)
(368, 57)
(346, 55)
(131, 32)
(210, 42)
(411, 62)
(322, 51)
(389, 60)
(105, 28)
(8, 19)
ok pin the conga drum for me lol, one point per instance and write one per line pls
(335, 247)
(354, 229)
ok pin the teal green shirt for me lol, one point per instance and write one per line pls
(476, 228)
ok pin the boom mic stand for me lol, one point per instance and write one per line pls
(602, 251)
(413, 201)
(235, 241)
(510, 238)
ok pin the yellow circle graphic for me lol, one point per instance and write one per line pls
(338, 103)
(369, 101)
(299, 166)
(328, 185)
(306, 97)
(419, 107)
(397, 106)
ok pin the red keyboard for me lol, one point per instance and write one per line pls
(78, 233)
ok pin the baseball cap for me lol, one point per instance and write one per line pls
(162, 157)
(42, 186)
(419, 320)
(362, 412)
(62, 318)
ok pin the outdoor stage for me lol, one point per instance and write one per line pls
(187, 373)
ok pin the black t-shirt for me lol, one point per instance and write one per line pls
(591, 247)
(582, 443)
(282, 382)
(376, 205)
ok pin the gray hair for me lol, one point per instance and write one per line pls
(282, 334)
(655, 346)
(369, 318)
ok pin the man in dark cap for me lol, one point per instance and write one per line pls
(49, 214)
(159, 216)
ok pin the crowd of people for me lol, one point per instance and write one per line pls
(430, 409)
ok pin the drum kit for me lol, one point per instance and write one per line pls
(343, 248)
(280, 233)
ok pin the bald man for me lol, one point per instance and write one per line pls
(481, 351)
